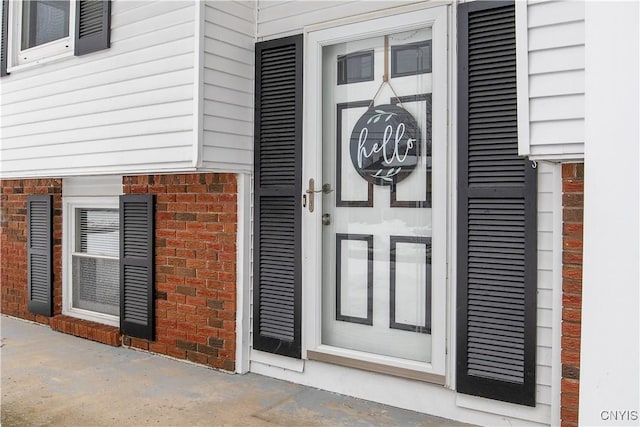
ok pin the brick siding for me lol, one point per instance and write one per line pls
(104, 334)
(196, 223)
(572, 215)
(13, 245)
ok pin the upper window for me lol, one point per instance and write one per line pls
(44, 22)
(37, 31)
(41, 30)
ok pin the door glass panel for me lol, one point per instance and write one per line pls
(377, 210)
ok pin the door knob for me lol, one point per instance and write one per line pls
(326, 188)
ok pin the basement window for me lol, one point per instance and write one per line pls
(93, 275)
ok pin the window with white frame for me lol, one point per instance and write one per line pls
(40, 29)
(93, 266)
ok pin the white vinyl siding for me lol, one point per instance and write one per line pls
(229, 38)
(128, 108)
(556, 49)
(546, 267)
(282, 18)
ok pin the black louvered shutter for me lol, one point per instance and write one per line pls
(93, 22)
(137, 317)
(278, 158)
(496, 214)
(40, 255)
(4, 39)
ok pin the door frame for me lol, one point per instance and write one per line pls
(437, 18)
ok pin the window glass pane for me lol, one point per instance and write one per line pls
(96, 284)
(98, 231)
(355, 67)
(411, 59)
(96, 279)
(44, 21)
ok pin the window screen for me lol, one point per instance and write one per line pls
(43, 22)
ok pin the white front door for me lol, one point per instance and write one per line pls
(381, 287)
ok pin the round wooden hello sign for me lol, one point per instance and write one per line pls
(385, 144)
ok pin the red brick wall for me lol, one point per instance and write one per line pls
(13, 244)
(196, 223)
(572, 214)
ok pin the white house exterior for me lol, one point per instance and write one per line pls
(201, 181)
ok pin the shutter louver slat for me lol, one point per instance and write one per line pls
(90, 17)
(493, 70)
(39, 255)
(136, 244)
(39, 222)
(135, 306)
(490, 15)
(278, 145)
(496, 290)
(39, 274)
(137, 317)
(275, 241)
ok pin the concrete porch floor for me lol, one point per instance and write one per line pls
(50, 378)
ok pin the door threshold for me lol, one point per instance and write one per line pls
(376, 367)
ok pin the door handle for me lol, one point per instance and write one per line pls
(311, 191)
